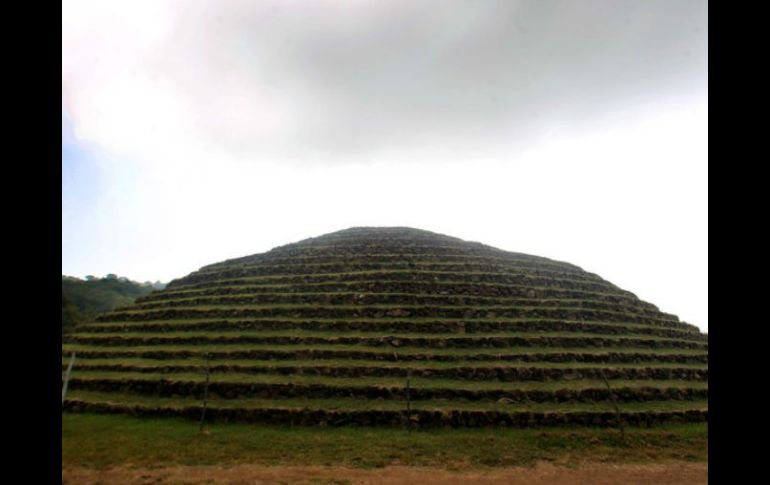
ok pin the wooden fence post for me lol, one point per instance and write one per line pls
(205, 393)
(408, 402)
(617, 409)
(67, 378)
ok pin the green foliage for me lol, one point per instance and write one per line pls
(70, 316)
(97, 295)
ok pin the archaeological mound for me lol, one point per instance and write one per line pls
(357, 326)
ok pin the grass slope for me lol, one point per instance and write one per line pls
(101, 441)
(341, 319)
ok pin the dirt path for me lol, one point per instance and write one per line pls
(676, 473)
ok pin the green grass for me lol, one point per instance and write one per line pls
(379, 404)
(533, 269)
(416, 383)
(200, 348)
(629, 327)
(462, 277)
(386, 306)
(415, 258)
(499, 300)
(331, 334)
(375, 363)
(449, 284)
(103, 440)
(377, 294)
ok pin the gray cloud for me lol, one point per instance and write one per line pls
(335, 80)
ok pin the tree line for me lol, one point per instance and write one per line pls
(83, 299)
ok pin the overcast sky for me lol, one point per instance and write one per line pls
(196, 131)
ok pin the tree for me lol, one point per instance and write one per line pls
(70, 316)
(101, 295)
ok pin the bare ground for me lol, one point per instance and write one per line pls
(671, 473)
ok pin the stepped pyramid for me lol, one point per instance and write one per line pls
(328, 330)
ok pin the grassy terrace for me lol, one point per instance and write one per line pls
(405, 275)
(319, 254)
(324, 331)
(631, 327)
(342, 266)
(402, 259)
(398, 258)
(184, 296)
(389, 382)
(332, 335)
(356, 345)
(373, 363)
(409, 275)
(379, 311)
(404, 306)
(388, 329)
(500, 373)
(383, 404)
(70, 347)
(393, 299)
(428, 288)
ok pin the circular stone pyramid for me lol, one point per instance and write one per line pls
(340, 329)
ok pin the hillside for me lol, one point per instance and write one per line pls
(329, 329)
(92, 296)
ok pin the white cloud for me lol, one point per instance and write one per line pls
(234, 127)
(309, 82)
